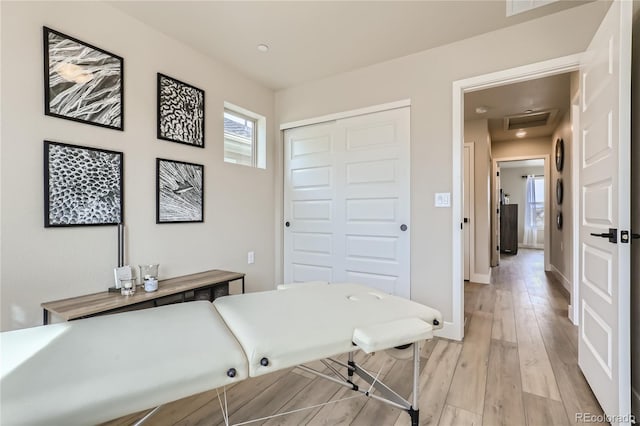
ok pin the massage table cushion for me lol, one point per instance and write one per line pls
(296, 325)
(162, 354)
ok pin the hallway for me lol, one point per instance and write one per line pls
(516, 366)
(521, 324)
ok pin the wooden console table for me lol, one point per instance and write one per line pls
(172, 290)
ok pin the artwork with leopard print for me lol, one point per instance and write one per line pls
(82, 185)
(180, 112)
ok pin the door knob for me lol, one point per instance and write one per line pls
(403, 227)
(287, 224)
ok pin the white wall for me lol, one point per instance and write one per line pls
(426, 78)
(41, 264)
(477, 132)
(562, 239)
(513, 184)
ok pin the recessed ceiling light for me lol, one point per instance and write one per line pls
(481, 109)
(521, 133)
(263, 48)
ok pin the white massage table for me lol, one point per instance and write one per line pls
(97, 369)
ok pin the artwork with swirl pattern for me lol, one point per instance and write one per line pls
(180, 112)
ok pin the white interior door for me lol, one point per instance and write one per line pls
(604, 180)
(468, 158)
(309, 199)
(347, 202)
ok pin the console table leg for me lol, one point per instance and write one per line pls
(45, 317)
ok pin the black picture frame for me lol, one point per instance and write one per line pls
(181, 113)
(83, 186)
(82, 82)
(559, 191)
(559, 220)
(179, 191)
(559, 154)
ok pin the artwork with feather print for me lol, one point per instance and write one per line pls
(82, 82)
(180, 112)
(82, 185)
(179, 191)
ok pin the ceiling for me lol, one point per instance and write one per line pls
(309, 40)
(521, 163)
(544, 94)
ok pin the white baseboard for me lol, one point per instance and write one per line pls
(448, 332)
(565, 282)
(531, 246)
(481, 278)
(635, 403)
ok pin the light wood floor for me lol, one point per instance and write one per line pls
(516, 366)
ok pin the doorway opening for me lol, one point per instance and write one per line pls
(484, 148)
(522, 218)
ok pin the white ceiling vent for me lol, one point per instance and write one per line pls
(525, 121)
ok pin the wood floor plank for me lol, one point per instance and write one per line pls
(435, 382)
(535, 367)
(542, 411)
(399, 378)
(486, 299)
(345, 412)
(503, 399)
(454, 416)
(469, 381)
(504, 322)
(576, 394)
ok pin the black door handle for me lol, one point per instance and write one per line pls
(612, 235)
(403, 227)
(287, 224)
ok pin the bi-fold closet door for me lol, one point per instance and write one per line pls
(346, 201)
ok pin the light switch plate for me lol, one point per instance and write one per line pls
(251, 258)
(443, 199)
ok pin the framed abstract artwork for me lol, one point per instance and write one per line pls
(180, 112)
(559, 191)
(559, 154)
(82, 82)
(82, 185)
(179, 191)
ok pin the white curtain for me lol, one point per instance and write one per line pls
(530, 228)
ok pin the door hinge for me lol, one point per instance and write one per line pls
(497, 173)
(497, 248)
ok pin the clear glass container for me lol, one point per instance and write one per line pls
(128, 287)
(148, 271)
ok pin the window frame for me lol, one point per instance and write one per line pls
(254, 136)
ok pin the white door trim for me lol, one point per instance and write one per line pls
(347, 114)
(472, 211)
(547, 199)
(574, 307)
(499, 78)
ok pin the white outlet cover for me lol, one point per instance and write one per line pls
(443, 199)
